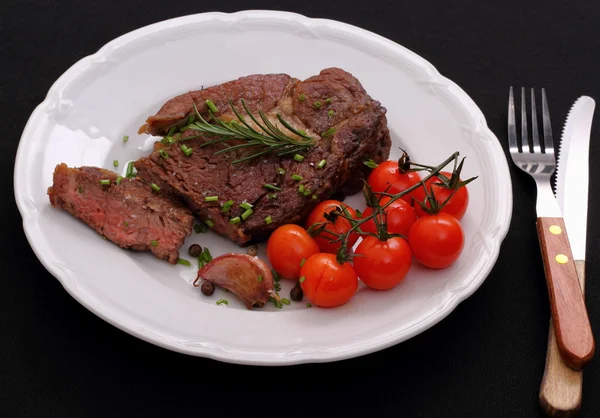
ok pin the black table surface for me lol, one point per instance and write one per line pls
(485, 359)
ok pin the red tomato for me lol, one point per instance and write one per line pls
(327, 283)
(400, 217)
(340, 226)
(386, 175)
(382, 265)
(286, 248)
(456, 206)
(436, 240)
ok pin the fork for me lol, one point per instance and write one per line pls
(569, 315)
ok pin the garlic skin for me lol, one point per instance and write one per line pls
(248, 277)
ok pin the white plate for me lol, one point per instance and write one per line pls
(109, 94)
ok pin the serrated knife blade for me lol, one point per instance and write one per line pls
(572, 173)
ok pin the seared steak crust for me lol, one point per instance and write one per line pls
(333, 101)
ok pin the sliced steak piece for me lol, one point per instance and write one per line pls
(349, 127)
(129, 214)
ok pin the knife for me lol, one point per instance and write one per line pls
(561, 388)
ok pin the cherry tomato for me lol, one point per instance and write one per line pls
(436, 240)
(327, 283)
(286, 248)
(456, 206)
(386, 175)
(400, 217)
(340, 226)
(382, 265)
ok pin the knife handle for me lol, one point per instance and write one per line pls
(562, 387)
(569, 314)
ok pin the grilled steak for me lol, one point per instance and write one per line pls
(332, 107)
(129, 214)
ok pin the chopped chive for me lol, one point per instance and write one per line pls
(212, 106)
(268, 220)
(306, 192)
(301, 188)
(227, 205)
(317, 104)
(285, 301)
(80, 188)
(272, 187)
(119, 180)
(260, 278)
(302, 97)
(370, 163)
(209, 223)
(163, 153)
(154, 243)
(155, 187)
(328, 132)
(297, 177)
(222, 302)
(275, 275)
(302, 262)
(315, 197)
(184, 262)
(129, 172)
(301, 279)
(104, 182)
(235, 220)
(207, 255)
(187, 151)
(321, 163)
(272, 196)
(246, 214)
(281, 171)
(171, 131)
(167, 140)
(125, 223)
(298, 158)
(330, 113)
(190, 119)
(328, 101)
(115, 163)
(308, 305)
(246, 205)
(277, 287)
(275, 302)
(126, 138)
(211, 199)
(200, 228)
(184, 128)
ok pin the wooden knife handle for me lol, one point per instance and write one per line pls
(569, 314)
(562, 387)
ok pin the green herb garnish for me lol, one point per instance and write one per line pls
(268, 220)
(154, 243)
(271, 139)
(104, 182)
(129, 172)
(298, 158)
(155, 187)
(321, 163)
(246, 214)
(272, 187)
(163, 153)
(213, 108)
(209, 223)
(297, 177)
(184, 262)
(126, 138)
(235, 220)
(211, 199)
(115, 163)
(222, 302)
(370, 163)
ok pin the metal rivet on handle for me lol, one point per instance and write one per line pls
(561, 258)
(555, 229)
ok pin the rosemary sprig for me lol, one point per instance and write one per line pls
(271, 139)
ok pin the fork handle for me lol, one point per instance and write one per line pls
(562, 387)
(569, 314)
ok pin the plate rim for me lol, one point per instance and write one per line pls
(235, 356)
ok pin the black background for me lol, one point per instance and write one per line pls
(485, 359)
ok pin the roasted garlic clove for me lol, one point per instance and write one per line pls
(249, 278)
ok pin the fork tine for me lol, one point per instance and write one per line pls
(548, 141)
(535, 136)
(512, 126)
(524, 136)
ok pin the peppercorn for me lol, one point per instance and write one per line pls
(252, 250)
(296, 294)
(195, 250)
(207, 288)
